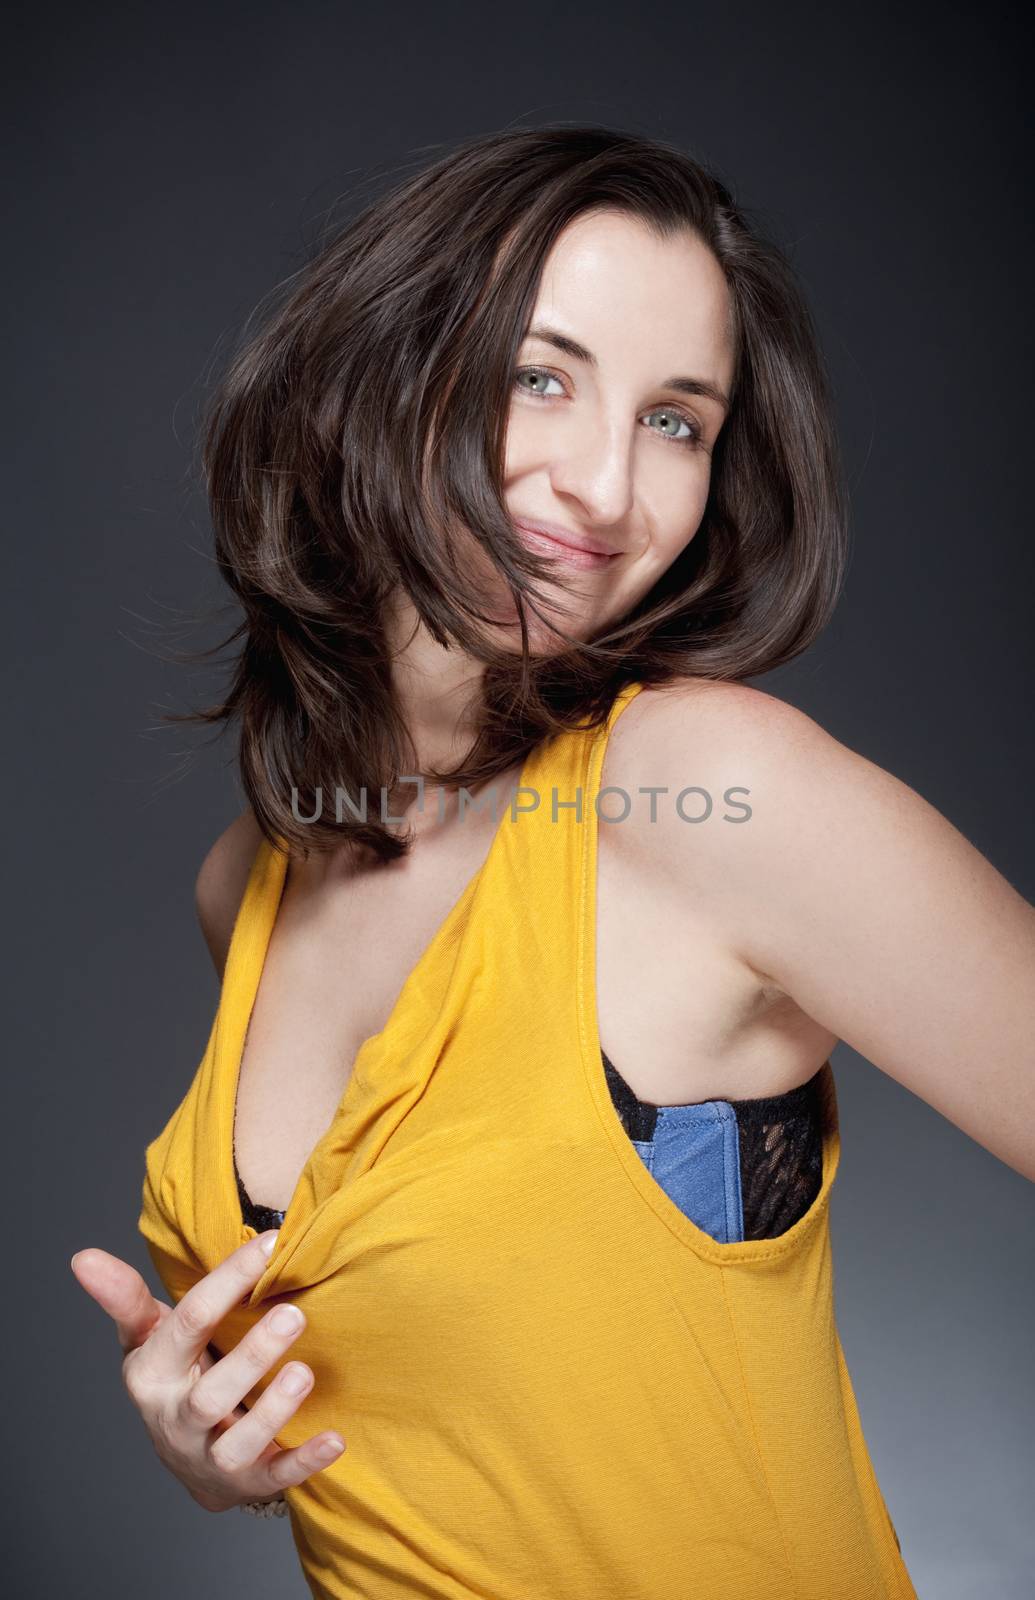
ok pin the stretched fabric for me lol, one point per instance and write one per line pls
(552, 1384)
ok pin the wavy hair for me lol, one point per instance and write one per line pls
(367, 413)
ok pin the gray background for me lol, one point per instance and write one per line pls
(167, 167)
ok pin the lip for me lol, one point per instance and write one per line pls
(566, 546)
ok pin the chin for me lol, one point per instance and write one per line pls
(542, 640)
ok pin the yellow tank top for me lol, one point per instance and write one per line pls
(551, 1383)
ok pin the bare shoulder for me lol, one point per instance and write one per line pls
(808, 795)
(739, 801)
(672, 717)
(706, 736)
(732, 727)
(221, 881)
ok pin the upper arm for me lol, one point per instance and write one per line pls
(221, 881)
(873, 912)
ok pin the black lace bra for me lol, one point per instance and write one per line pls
(777, 1153)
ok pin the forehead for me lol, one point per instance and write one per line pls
(628, 293)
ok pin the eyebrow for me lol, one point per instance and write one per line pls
(578, 352)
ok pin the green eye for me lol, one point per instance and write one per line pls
(538, 373)
(540, 376)
(694, 434)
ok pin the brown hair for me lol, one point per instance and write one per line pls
(369, 411)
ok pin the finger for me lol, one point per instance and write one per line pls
(290, 1467)
(180, 1340)
(247, 1441)
(224, 1386)
(119, 1290)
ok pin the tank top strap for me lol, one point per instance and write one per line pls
(253, 927)
(543, 841)
(525, 926)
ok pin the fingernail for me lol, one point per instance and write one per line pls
(286, 1319)
(327, 1449)
(268, 1242)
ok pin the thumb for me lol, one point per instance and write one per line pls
(119, 1290)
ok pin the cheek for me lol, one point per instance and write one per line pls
(524, 443)
(676, 510)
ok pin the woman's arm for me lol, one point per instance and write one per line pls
(862, 902)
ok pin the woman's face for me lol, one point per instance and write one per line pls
(608, 443)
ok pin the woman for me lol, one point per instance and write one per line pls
(528, 1115)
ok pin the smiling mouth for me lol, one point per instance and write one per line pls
(570, 555)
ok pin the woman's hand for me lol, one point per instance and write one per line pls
(190, 1400)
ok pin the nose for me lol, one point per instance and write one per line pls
(594, 466)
